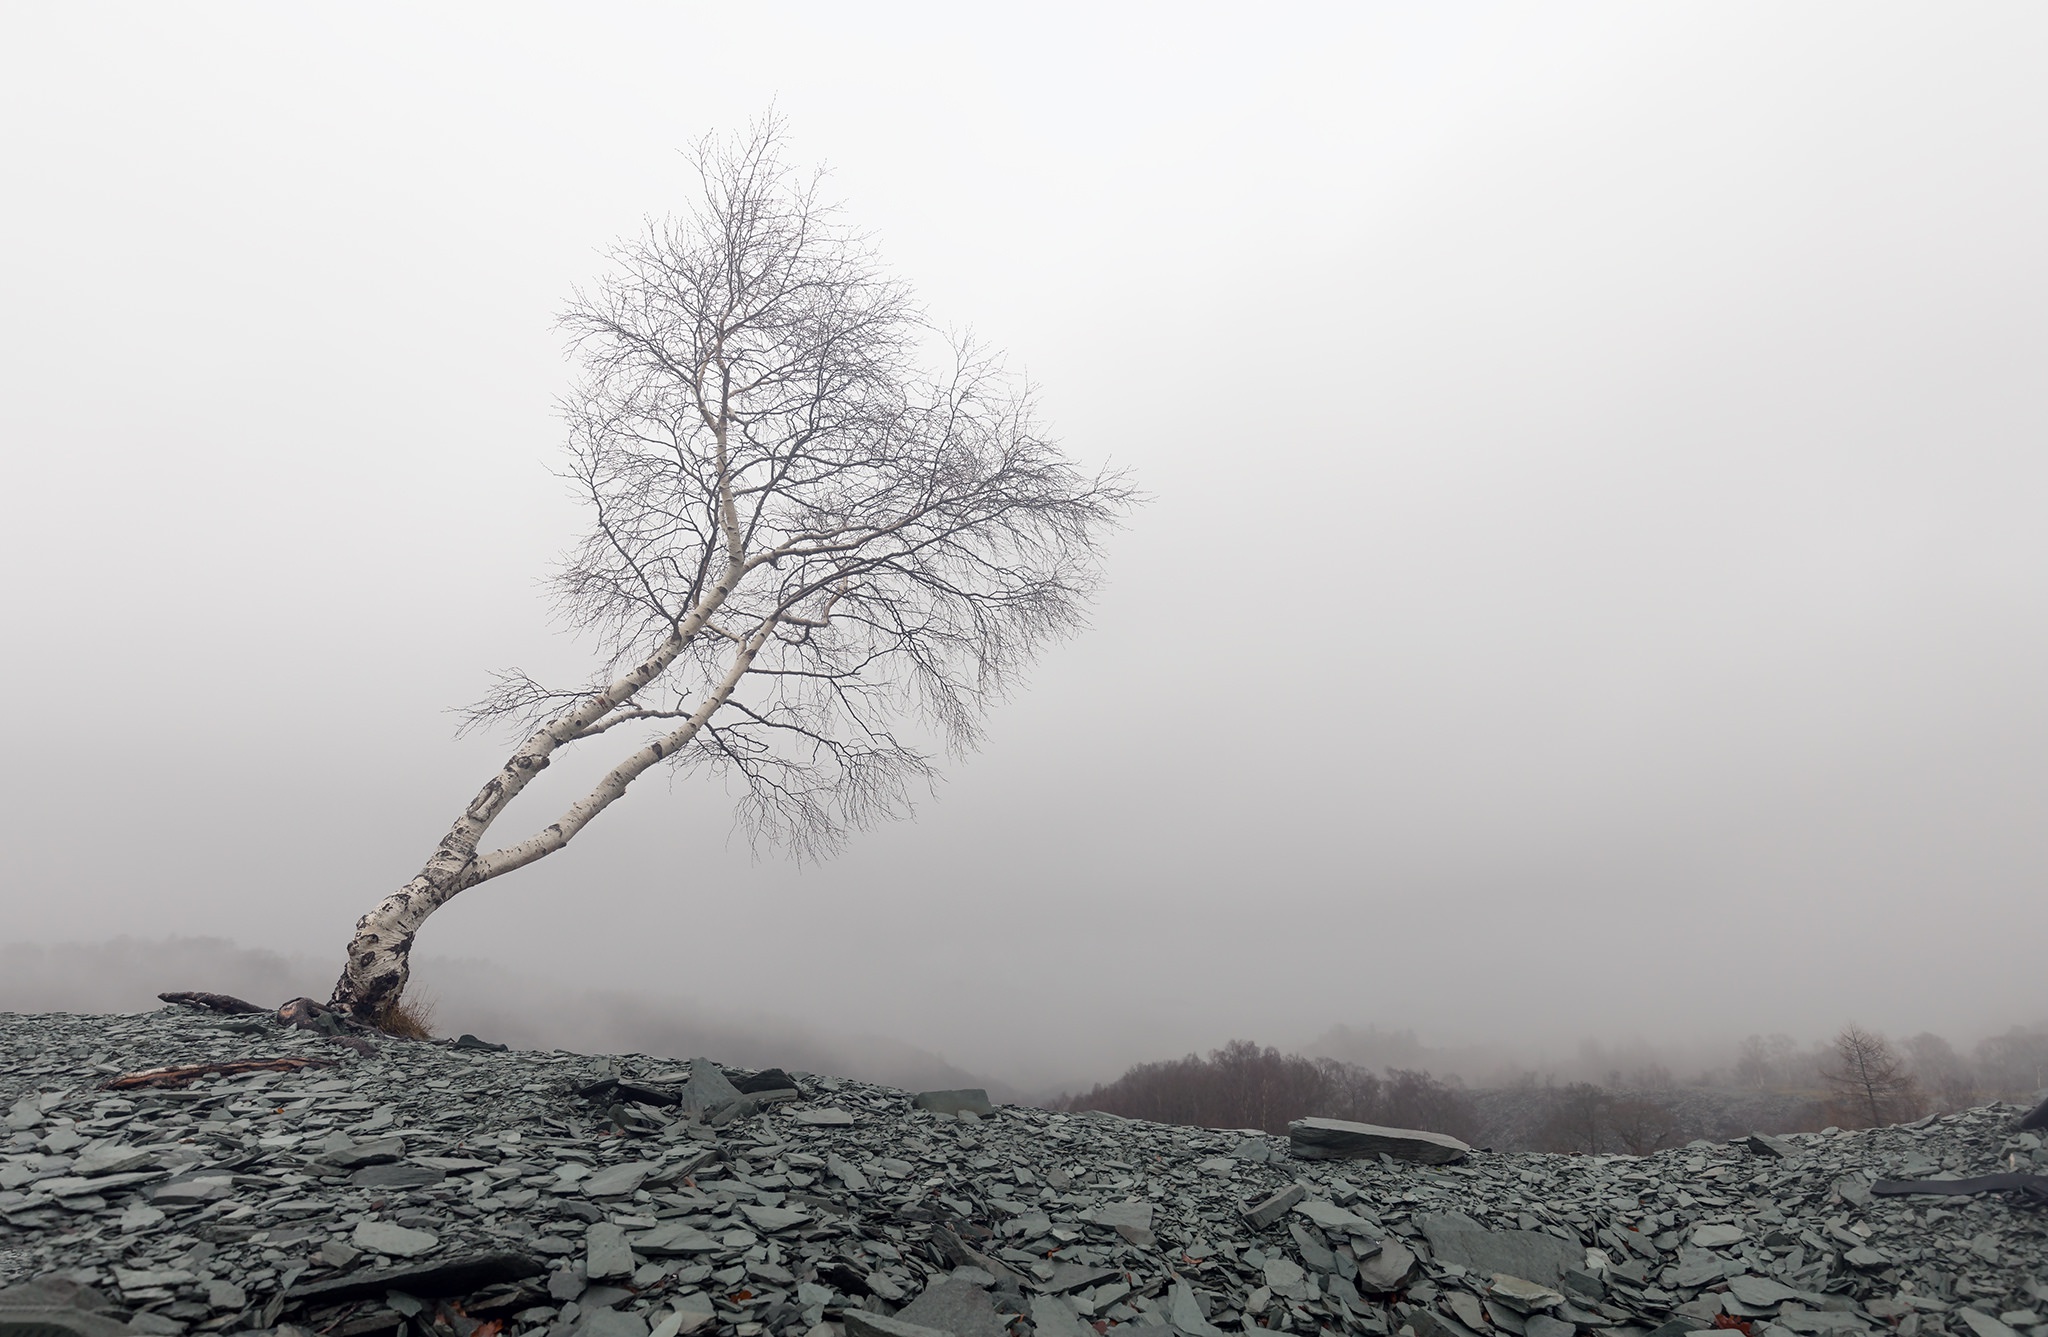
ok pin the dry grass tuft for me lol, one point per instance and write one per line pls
(408, 1017)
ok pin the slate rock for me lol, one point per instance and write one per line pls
(1340, 1139)
(603, 1322)
(1388, 1270)
(708, 1091)
(1523, 1296)
(972, 1099)
(606, 1253)
(674, 1239)
(768, 1079)
(864, 1323)
(824, 1118)
(617, 1181)
(955, 1306)
(772, 1219)
(381, 1151)
(1053, 1316)
(1528, 1254)
(1718, 1236)
(388, 1237)
(111, 1160)
(1184, 1313)
(1765, 1144)
(1274, 1207)
(1330, 1216)
(1984, 1325)
(198, 1186)
(1759, 1292)
(396, 1176)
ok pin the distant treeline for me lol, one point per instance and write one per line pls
(1244, 1086)
(1856, 1079)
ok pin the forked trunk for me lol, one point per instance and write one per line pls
(379, 961)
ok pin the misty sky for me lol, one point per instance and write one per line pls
(1595, 581)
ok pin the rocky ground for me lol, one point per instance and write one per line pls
(468, 1191)
(1514, 1118)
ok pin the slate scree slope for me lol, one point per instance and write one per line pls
(300, 1186)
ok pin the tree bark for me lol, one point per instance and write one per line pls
(379, 960)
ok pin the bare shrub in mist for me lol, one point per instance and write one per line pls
(2014, 1066)
(1869, 1080)
(1244, 1086)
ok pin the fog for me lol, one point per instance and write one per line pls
(1593, 587)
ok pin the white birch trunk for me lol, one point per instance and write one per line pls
(379, 958)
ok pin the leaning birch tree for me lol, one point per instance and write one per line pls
(822, 542)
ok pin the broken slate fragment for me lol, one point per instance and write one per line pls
(1759, 1292)
(824, 1118)
(618, 1181)
(112, 1160)
(954, 1306)
(1184, 1313)
(1717, 1236)
(1765, 1144)
(606, 1253)
(1330, 1216)
(772, 1219)
(1340, 1139)
(380, 1151)
(396, 1176)
(1053, 1316)
(1275, 1207)
(708, 1091)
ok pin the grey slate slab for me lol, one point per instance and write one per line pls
(1528, 1254)
(1339, 1139)
(954, 1306)
(972, 1099)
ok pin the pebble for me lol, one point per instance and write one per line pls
(563, 1193)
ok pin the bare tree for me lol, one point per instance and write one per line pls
(1578, 1120)
(1642, 1124)
(817, 552)
(1869, 1078)
(1939, 1071)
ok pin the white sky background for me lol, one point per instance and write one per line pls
(1595, 586)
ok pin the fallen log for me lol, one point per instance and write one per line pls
(2032, 1187)
(192, 1072)
(226, 1004)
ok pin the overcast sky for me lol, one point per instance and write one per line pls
(1595, 582)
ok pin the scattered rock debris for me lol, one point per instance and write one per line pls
(469, 1191)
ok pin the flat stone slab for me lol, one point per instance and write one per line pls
(773, 1218)
(1759, 1292)
(972, 1099)
(396, 1176)
(618, 1181)
(673, 1240)
(1330, 1216)
(388, 1237)
(1528, 1254)
(606, 1253)
(1339, 1139)
(825, 1118)
(956, 1306)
